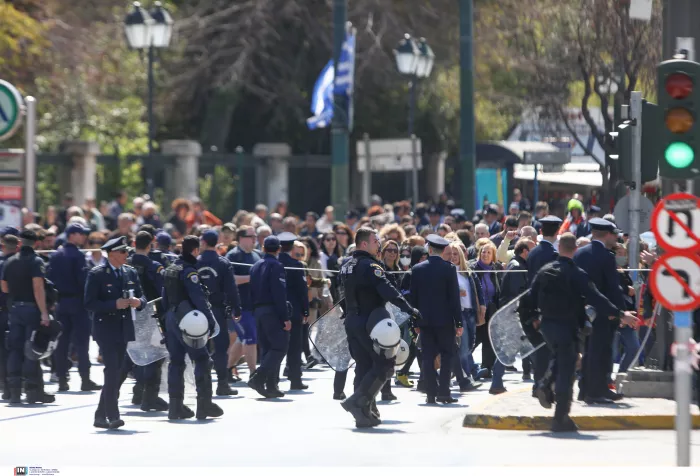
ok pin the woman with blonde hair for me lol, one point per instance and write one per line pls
(472, 301)
(392, 232)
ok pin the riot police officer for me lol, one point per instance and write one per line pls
(68, 271)
(272, 313)
(151, 277)
(23, 281)
(216, 274)
(9, 248)
(111, 290)
(298, 296)
(559, 290)
(367, 290)
(183, 293)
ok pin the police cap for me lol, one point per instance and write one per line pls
(28, 235)
(457, 212)
(286, 237)
(550, 219)
(9, 230)
(600, 224)
(164, 239)
(437, 241)
(116, 244)
(433, 210)
(594, 209)
(271, 243)
(210, 237)
(76, 228)
(492, 209)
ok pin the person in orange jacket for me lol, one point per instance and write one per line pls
(201, 216)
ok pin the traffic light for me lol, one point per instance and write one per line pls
(679, 132)
(621, 145)
(651, 146)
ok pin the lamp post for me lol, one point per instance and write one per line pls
(148, 31)
(414, 59)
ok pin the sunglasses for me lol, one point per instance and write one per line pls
(341, 233)
(329, 239)
(298, 255)
(122, 252)
(391, 250)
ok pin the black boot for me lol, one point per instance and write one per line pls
(63, 384)
(298, 386)
(88, 385)
(207, 408)
(257, 382)
(178, 411)
(564, 424)
(137, 399)
(222, 388)
(359, 406)
(15, 396)
(388, 397)
(151, 400)
(38, 396)
(272, 387)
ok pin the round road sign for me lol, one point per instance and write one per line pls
(676, 222)
(675, 281)
(11, 109)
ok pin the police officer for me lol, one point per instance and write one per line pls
(367, 290)
(151, 278)
(108, 295)
(539, 256)
(9, 248)
(559, 290)
(182, 293)
(273, 316)
(599, 262)
(216, 274)
(163, 244)
(435, 293)
(23, 281)
(68, 271)
(298, 295)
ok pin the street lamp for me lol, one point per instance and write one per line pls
(414, 59)
(149, 31)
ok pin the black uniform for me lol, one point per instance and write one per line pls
(4, 328)
(559, 290)
(366, 288)
(24, 317)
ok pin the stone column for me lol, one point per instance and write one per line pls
(81, 179)
(435, 175)
(276, 171)
(186, 171)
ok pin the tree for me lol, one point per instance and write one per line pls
(566, 52)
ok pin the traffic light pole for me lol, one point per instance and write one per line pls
(636, 189)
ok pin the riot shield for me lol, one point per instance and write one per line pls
(397, 314)
(149, 345)
(507, 336)
(328, 337)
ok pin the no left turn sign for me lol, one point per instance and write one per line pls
(675, 281)
(676, 222)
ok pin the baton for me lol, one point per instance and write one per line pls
(133, 311)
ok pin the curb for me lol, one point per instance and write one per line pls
(586, 423)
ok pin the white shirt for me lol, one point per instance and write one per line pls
(463, 280)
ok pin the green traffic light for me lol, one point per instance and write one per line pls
(679, 155)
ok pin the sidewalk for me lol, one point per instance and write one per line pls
(518, 410)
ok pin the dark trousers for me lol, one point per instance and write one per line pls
(371, 369)
(176, 370)
(23, 319)
(562, 341)
(597, 360)
(540, 360)
(527, 365)
(412, 354)
(4, 340)
(221, 343)
(145, 375)
(294, 349)
(112, 358)
(437, 341)
(306, 346)
(339, 380)
(70, 312)
(488, 356)
(273, 340)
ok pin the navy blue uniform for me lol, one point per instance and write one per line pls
(298, 296)
(68, 271)
(151, 278)
(268, 291)
(559, 290)
(182, 284)
(216, 274)
(246, 327)
(112, 328)
(24, 317)
(4, 328)
(435, 293)
(539, 256)
(599, 263)
(165, 259)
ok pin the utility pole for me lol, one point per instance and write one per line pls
(340, 170)
(467, 130)
(636, 189)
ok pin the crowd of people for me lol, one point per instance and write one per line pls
(496, 254)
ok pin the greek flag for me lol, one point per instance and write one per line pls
(327, 84)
